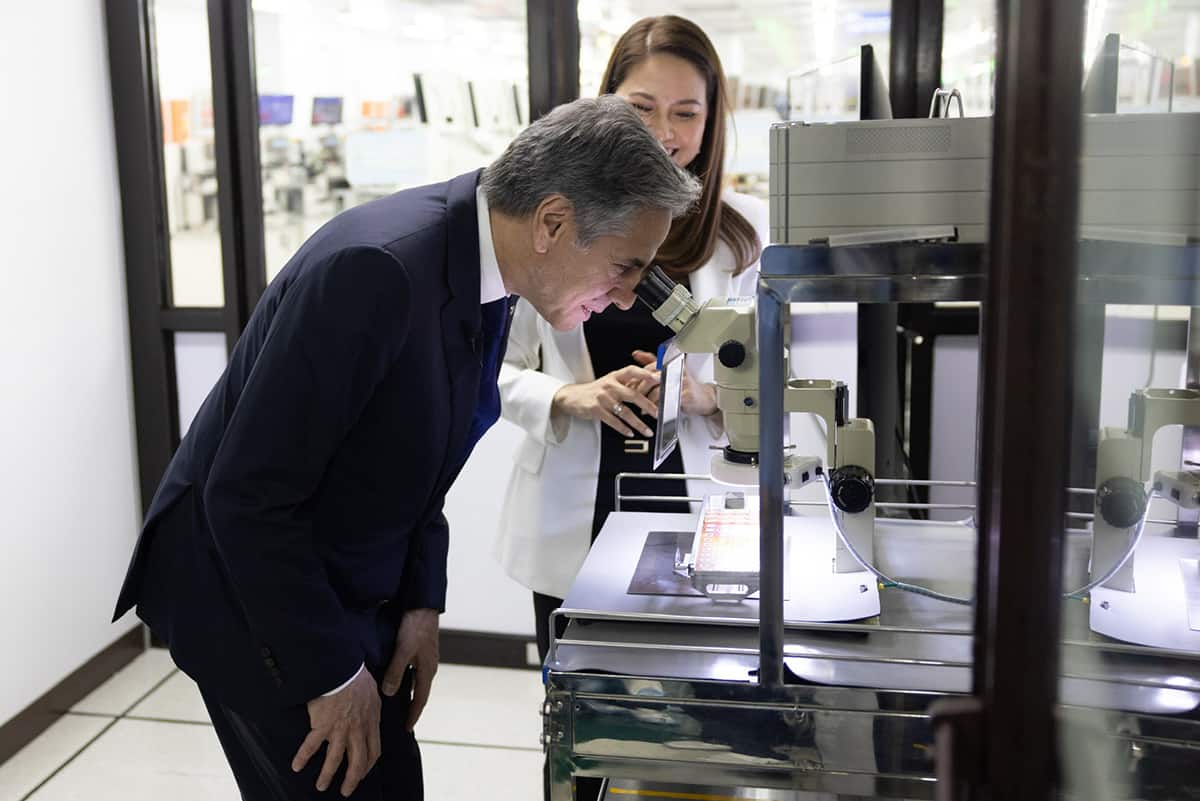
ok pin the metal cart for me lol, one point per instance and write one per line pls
(689, 698)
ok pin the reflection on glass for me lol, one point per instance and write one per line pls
(189, 161)
(761, 43)
(361, 99)
(1131, 616)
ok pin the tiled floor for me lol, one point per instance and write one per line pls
(144, 735)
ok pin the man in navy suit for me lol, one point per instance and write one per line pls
(294, 556)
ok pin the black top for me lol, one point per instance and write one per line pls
(612, 336)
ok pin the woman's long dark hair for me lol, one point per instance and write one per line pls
(693, 237)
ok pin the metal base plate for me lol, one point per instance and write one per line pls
(1164, 611)
(814, 592)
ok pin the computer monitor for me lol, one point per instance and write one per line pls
(275, 109)
(851, 88)
(874, 103)
(444, 101)
(1100, 81)
(1128, 78)
(327, 111)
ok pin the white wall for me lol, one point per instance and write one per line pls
(68, 491)
(481, 597)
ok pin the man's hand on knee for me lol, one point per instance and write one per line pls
(416, 646)
(349, 721)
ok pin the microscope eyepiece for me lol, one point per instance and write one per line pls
(670, 303)
(654, 288)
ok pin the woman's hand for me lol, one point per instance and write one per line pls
(694, 398)
(608, 399)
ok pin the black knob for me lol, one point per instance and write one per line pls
(1122, 501)
(732, 353)
(852, 488)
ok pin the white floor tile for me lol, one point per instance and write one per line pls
(177, 699)
(146, 761)
(463, 772)
(30, 766)
(484, 706)
(129, 684)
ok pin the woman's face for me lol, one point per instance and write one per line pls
(671, 95)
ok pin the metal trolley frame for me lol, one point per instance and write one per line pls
(729, 701)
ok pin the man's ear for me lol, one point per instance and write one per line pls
(551, 220)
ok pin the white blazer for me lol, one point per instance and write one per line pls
(546, 522)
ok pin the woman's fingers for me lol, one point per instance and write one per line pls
(644, 358)
(610, 419)
(634, 398)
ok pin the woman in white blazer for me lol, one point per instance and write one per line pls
(550, 386)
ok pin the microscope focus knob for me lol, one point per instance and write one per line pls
(732, 353)
(1121, 501)
(852, 488)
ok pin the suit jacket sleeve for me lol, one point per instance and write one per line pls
(336, 333)
(526, 393)
(424, 582)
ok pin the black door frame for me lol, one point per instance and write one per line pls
(153, 318)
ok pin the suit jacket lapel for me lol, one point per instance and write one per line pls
(461, 327)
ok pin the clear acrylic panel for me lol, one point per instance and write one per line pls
(1130, 660)
(189, 161)
(761, 45)
(969, 54)
(363, 98)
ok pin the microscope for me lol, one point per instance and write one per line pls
(1145, 612)
(726, 328)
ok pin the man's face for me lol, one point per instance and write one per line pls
(574, 283)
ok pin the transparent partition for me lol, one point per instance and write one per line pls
(184, 69)
(362, 99)
(969, 54)
(1130, 660)
(760, 44)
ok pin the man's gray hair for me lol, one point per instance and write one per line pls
(599, 155)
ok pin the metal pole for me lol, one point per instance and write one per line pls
(770, 486)
(137, 121)
(1026, 390)
(553, 54)
(239, 176)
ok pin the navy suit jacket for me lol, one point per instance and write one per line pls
(314, 473)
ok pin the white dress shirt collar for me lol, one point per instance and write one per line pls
(491, 282)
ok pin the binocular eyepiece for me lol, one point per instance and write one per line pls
(669, 302)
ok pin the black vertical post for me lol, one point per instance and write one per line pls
(915, 55)
(1027, 393)
(1099, 96)
(553, 54)
(915, 71)
(239, 181)
(138, 123)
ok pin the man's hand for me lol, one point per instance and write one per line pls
(694, 398)
(605, 399)
(349, 721)
(416, 646)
